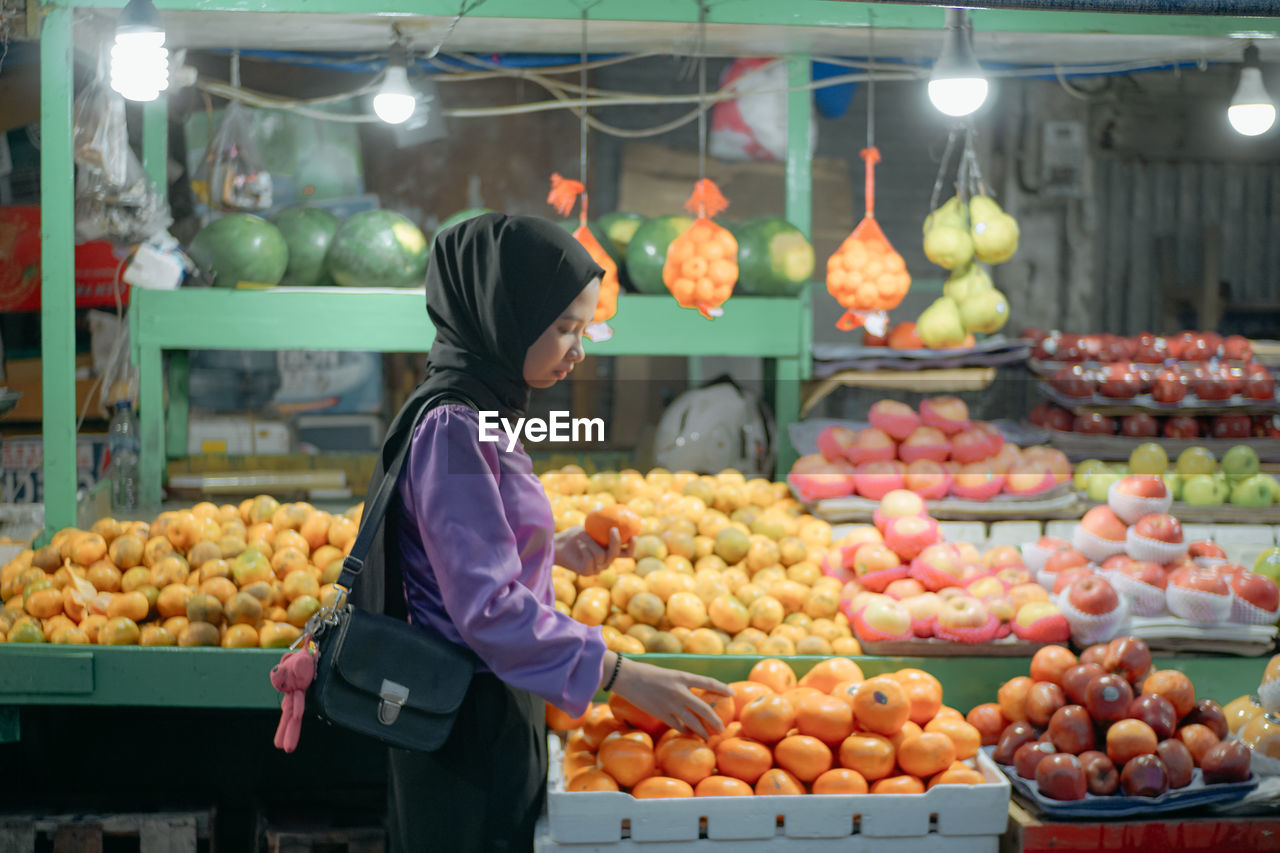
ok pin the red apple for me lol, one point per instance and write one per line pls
(1231, 426)
(1205, 580)
(1157, 712)
(1046, 348)
(1234, 376)
(1071, 729)
(1142, 486)
(1074, 381)
(1107, 698)
(1093, 595)
(1150, 349)
(1076, 679)
(1266, 426)
(1168, 386)
(1014, 736)
(1160, 527)
(1033, 334)
(1227, 762)
(1065, 558)
(1144, 776)
(1100, 773)
(1258, 590)
(834, 442)
(1177, 761)
(1181, 426)
(1212, 386)
(1103, 523)
(1063, 580)
(1206, 548)
(1116, 562)
(1043, 700)
(1094, 423)
(1149, 573)
(1259, 384)
(1208, 713)
(1116, 349)
(1061, 777)
(1119, 382)
(1139, 426)
(1029, 756)
(1237, 348)
(1129, 657)
(1059, 419)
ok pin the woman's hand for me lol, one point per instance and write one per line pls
(579, 553)
(667, 694)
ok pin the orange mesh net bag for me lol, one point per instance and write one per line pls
(564, 193)
(702, 263)
(866, 274)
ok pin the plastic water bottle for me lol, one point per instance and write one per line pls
(125, 446)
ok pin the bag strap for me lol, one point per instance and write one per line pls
(376, 510)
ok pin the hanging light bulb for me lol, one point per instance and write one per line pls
(957, 85)
(395, 101)
(1252, 112)
(139, 59)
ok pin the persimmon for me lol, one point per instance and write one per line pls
(964, 737)
(1051, 662)
(840, 780)
(989, 720)
(598, 722)
(774, 673)
(628, 760)
(924, 692)
(767, 718)
(958, 776)
(743, 759)
(909, 729)
(599, 522)
(1174, 686)
(661, 787)
(591, 779)
(722, 786)
(802, 756)
(825, 675)
(903, 784)
(926, 754)
(777, 781)
(688, 758)
(827, 718)
(880, 705)
(872, 755)
(628, 712)
(560, 721)
(1012, 698)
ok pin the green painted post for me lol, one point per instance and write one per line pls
(155, 143)
(179, 409)
(57, 286)
(150, 421)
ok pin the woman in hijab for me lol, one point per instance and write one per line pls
(473, 534)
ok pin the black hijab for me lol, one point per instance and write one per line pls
(494, 284)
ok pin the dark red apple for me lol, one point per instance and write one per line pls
(1139, 426)
(1093, 423)
(1213, 386)
(1071, 729)
(1119, 382)
(1091, 346)
(1116, 349)
(1233, 374)
(1259, 384)
(1237, 348)
(1043, 699)
(1208, 713)
(1181, 426)
(1038, 414)
(1108, 698)
(1150, 349)
(1266, 426)
(1077, 678)
(1061, 777)
(1228, 761)
(1046, 348)
(1074, 381)
(1097, 653)
(1129, 657)
(1177, 762)
(1033, 334)
(1100, 772)
(1031, 754)
(1059, 419)
(1144, 776)
(1157, 712)
(1169, 386)
(1231, 426)
(1201, 346)
(1178, 344)
(1014, 736)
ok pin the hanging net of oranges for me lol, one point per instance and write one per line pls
(866, 274)
(702, 263)
(564, 193)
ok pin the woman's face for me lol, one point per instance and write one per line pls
(554, 354)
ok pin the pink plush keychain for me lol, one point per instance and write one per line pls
(291, 677)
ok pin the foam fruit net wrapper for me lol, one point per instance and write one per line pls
(866, 275)
(564, 193)
(1087, 628)
(1198, 605)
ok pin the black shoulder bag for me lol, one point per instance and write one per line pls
(375, 674)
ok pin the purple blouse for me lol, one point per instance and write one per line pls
(477, 560)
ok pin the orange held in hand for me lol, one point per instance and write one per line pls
(562, 196)
(702, 263)
(599, 522)
(866, 275)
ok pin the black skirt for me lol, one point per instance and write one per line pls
(485, 788)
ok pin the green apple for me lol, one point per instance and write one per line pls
(1252, 491)
(1080, 479)
(1173, 482)
(1240, 462)
(1273, 483)
(1268, 563)
(1099, 483)
(1196, 460)
(1148, 458)
(1222, 486)
(1200, 490)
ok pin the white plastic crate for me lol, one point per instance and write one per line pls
(1197, 532)
(1060, 527)
(1013, 532)
(963, 818)
(963, 531)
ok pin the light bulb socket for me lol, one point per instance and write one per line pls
(139, 17)
(957, 59)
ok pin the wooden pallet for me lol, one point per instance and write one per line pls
(351, 840)
(164, 832)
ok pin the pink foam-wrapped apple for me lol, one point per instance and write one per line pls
(1052, 458)
(928, 479)
(815, 479)
(896, 504)
(1028, 478)
(871, 445)
(834, 442)
(897, 419)
(976, 482)
(877, 566)
(972, 445)
(924, 443)
(908, 535)
(1041, 622)
(949, 414)
(938, 566)
(874, 480)
(923, 608)
(883, 619)
(965, 619)
(1006, 458)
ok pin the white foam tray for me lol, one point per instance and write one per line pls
(885, 822)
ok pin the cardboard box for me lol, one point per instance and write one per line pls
(238, 436)
(24, 375)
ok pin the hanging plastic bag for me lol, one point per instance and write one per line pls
(753, 126)
(115, 200)
(564, 193)
(866, 274)
(702, 263)
(232, 176)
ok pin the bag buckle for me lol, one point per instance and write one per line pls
(393, 697)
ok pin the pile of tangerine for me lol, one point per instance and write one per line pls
(830, 732)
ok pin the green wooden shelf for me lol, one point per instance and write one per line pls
(237, 678)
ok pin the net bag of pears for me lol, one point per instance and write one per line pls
(866, 275)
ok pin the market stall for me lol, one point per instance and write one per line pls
(947, 562)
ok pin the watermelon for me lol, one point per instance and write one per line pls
(240, 247)
(460, 216)
(647, 251)
(571, 224)
(308, 231)
(378, 248)
(774, 257)
(618, 228)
